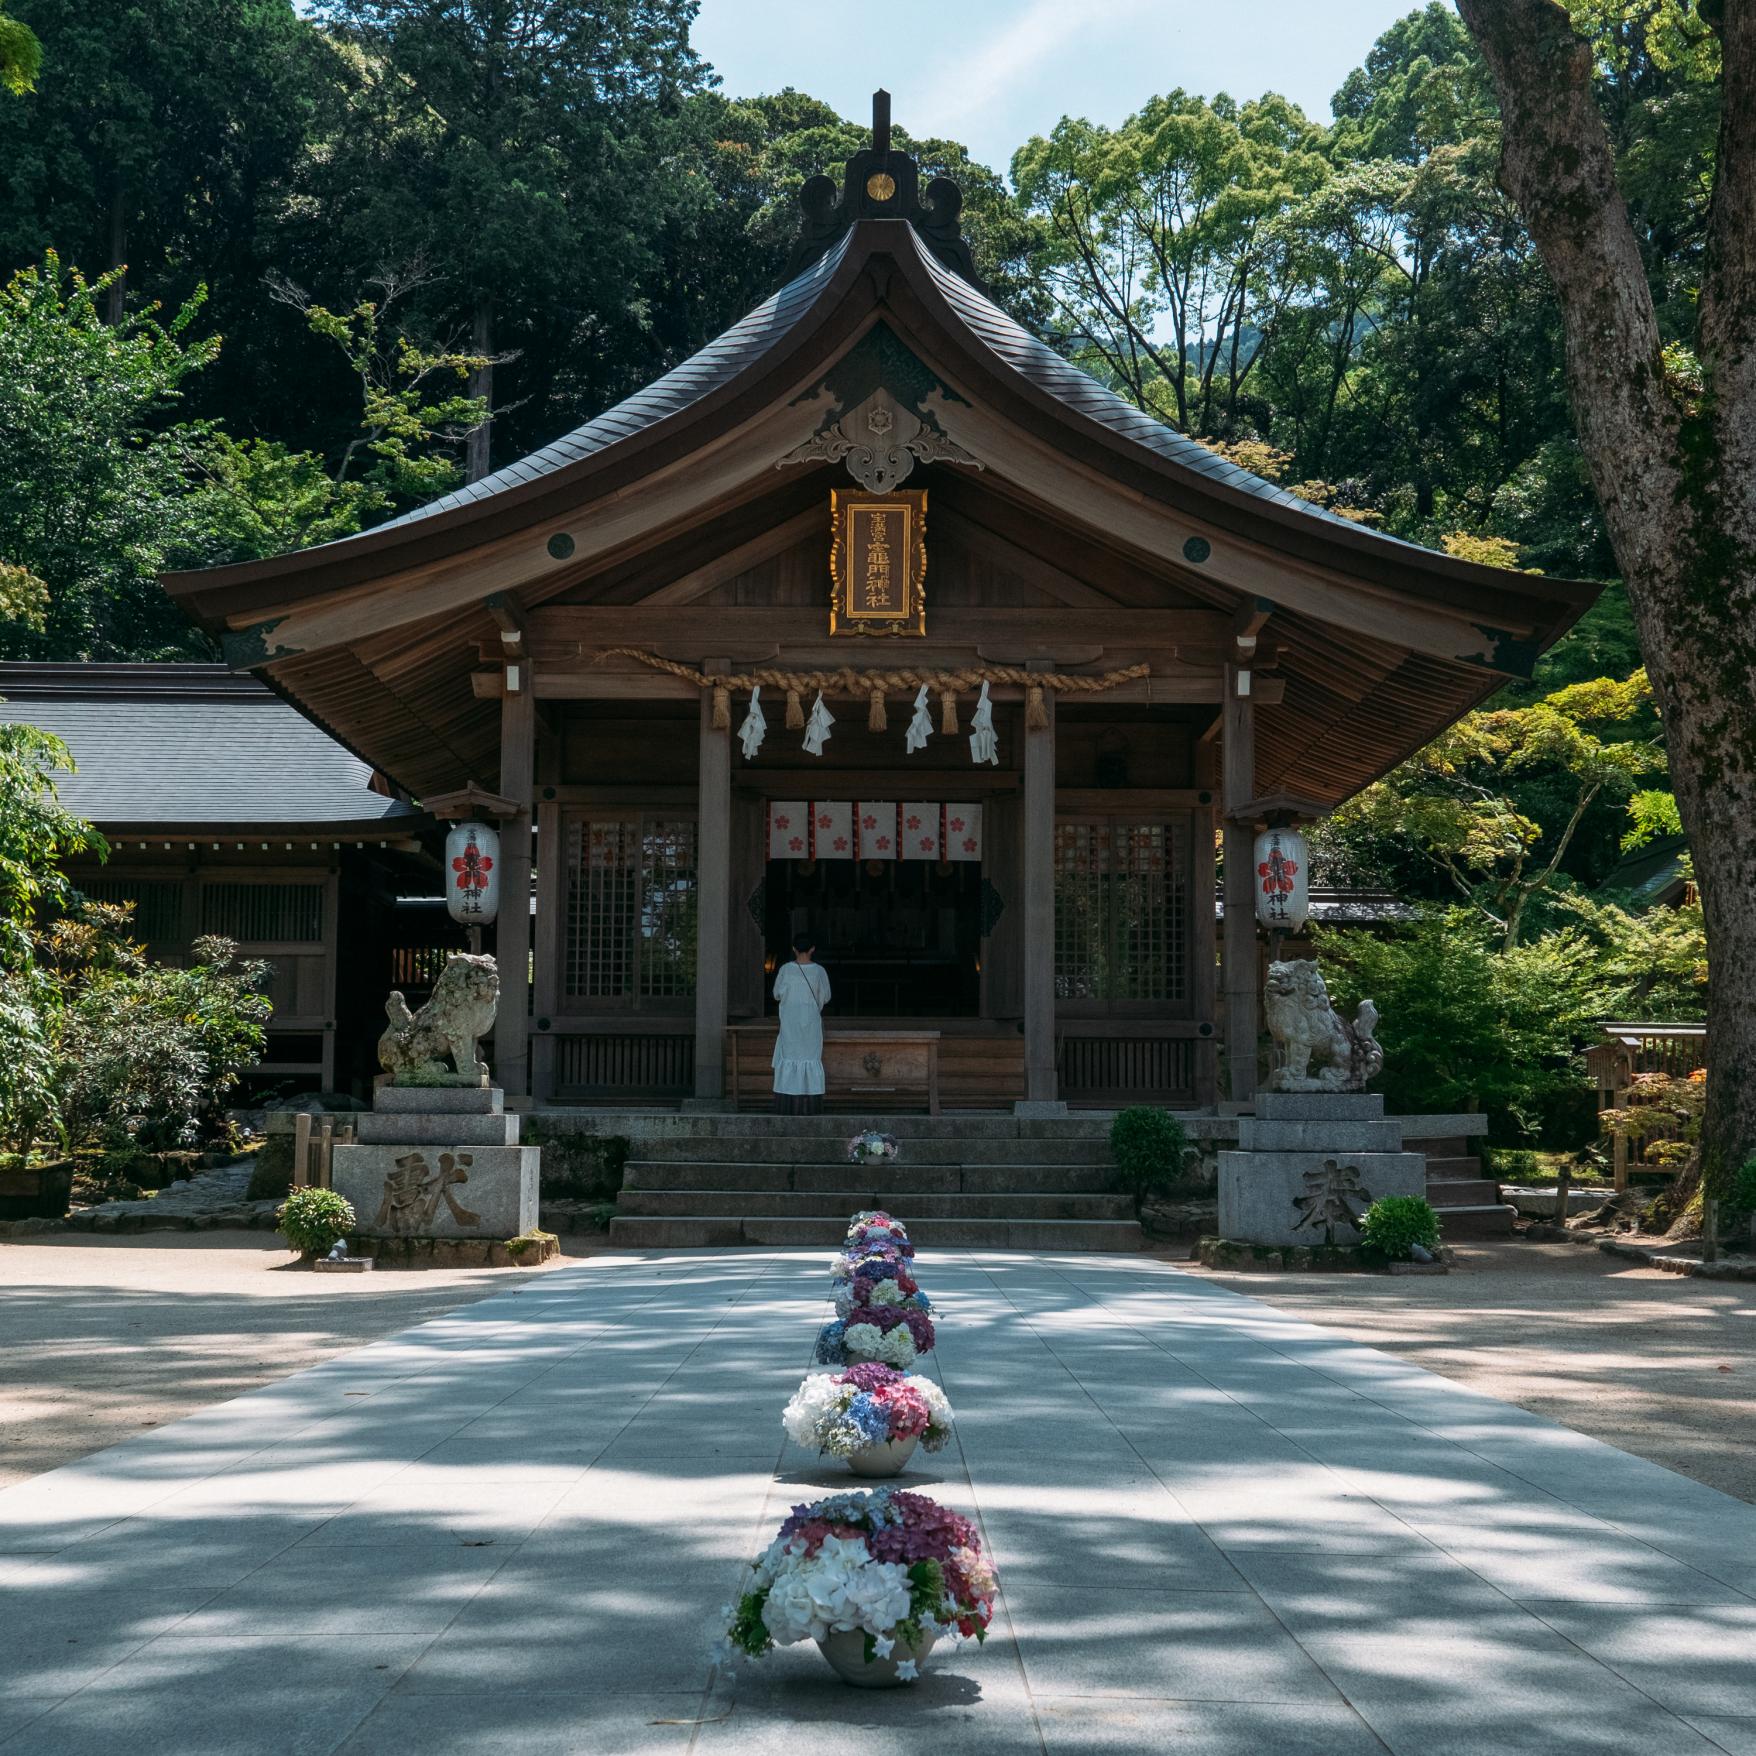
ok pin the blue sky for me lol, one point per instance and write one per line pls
(991, 73)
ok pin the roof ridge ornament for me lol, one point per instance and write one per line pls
(880, 441)
(882, 182)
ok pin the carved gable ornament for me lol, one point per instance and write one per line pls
(880, 441)
(878, 562)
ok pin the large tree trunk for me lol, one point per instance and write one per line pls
(1674, 465)
(118, 246)
(477, 456)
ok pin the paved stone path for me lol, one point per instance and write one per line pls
(1219, 1530)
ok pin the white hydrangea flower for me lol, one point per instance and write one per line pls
(814, 1404)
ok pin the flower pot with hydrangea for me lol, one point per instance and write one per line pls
(873, 1416)
(886, 1335)
(877, 1579)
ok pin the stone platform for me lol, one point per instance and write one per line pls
(1309, 1164)
(439, 1162)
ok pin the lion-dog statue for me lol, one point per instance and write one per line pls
(416, 1045)
(1306, 1028)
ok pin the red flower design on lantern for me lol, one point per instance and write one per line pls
(1277, 873)
(823, 820)
(796, 843)
(914, 823)
(969, 844)
(883, 841)
(472, 867)
(841, 844)
(868, 821)
(956, 826)
(926, 844)
(783, 822)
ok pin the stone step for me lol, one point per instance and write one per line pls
(914, 1150)
(1489, 1219)
(699, 1231)
(654, 1126)
(902, 1182)
(1453, 1146)
(1461, 1191)
(650, 1203)
(1445, 1166)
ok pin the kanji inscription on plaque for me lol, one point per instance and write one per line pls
(877, 562)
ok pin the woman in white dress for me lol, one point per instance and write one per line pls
(802, 991)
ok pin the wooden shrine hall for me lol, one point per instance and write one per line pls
(878, 618)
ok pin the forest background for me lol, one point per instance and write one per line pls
(273, 274)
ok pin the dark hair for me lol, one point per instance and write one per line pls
(804, 941)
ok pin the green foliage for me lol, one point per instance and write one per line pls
(36, 833)
(581, 1167)
(271, 1171)
(1147, 1145)
(1740, 1199)
(94, 471)
(21, 56)
(149, 1052)
(1468, 1025)
(1393, 1226)
(30, 1109)
(313, 1221)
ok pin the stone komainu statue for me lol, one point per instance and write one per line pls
(1306, 1028)
(416, 1045)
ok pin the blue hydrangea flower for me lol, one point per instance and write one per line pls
(871, 1417)
(830, 1351)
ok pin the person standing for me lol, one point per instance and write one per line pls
(802, 991)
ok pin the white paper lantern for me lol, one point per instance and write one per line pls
(472, 870)
(1283, 880)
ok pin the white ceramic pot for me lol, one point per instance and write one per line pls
(846, 1653)
(889, 1459)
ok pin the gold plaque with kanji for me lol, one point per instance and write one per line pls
(878, 562)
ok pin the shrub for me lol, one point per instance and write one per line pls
(28, 1107)
(1393, 1226)
(271, 1172)
(311, 1220)
(149, 1051)
(1147, 1145)
(1740, 1199)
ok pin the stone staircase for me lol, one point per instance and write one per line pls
(980, 1182)
(1468, 1204)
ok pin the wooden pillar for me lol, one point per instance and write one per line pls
(546, 963)
(512, 933)
(1038, 937)
(713, 889)
(1241, 968)
(1205, 963)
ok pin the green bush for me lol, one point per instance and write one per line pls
(1392, 1227)
(1516, 1164)
(271, 1171)
(1147, 1145)
(311, 1220)
(1740, 1200)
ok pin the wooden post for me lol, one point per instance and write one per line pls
(546, 970)
(1038, 937)
(512, 934)
(1203, 961)
(1241, 967)
(325, 1146)
(302, 1149)
(713, 890)
(1563, 1188)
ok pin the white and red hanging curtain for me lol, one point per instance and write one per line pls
(920, 830)
(873, 829)
(832, 829)
(877, 829)
(789, 829)
(963, 832)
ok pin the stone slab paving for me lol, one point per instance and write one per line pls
(1220, 1530)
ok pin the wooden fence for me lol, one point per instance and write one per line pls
(1629, 1052)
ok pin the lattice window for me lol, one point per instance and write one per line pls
(1121, 911)
(631, 910)
(158, 904)
(258, 914)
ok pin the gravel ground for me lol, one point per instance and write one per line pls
(105, 1336)
(1658, 1365)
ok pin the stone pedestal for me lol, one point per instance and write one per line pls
(438, 1162)
(1309, 1164)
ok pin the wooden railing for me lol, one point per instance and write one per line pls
(1628, 1052)
(1116, 1065)
(620, 1062)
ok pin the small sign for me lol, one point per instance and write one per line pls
(878, 562)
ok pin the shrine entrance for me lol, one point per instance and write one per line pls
(901, 939)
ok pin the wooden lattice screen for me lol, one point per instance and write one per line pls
(631, 910)
(1121, 912)
(263, 914)
(158, 904)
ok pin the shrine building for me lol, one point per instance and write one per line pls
(1019, 655)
